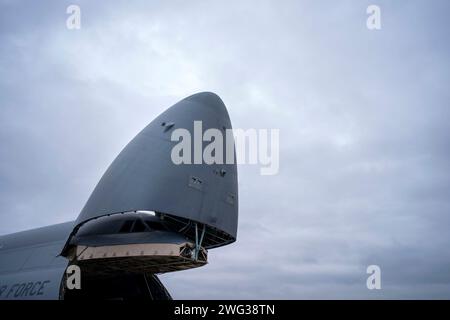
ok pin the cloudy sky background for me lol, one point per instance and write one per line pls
(363, 116)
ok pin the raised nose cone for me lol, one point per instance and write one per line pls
(210, 100)
(144, 176)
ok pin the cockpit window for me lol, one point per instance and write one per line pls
(121, 223)
(153, 225)
(139, 226)
(126, 227)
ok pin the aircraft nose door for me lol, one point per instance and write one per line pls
(195, 196)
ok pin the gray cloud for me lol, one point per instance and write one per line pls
(364, 163)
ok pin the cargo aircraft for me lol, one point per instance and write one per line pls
(146, 216)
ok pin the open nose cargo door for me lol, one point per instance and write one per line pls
(197, 204)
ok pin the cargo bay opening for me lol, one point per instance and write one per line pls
(117, 286)
(139, 242)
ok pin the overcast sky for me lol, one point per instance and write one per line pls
(363, 116)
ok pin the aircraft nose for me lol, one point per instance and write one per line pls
(145, 177)
(211, 101)
(206, 97)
